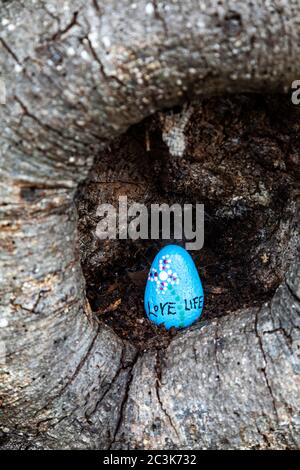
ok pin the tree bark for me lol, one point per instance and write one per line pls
(77, 74)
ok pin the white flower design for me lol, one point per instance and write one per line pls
(164, 276)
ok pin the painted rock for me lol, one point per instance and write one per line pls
(174, 294)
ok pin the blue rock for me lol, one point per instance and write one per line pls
(174, 294)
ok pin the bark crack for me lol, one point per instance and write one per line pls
(263, 369)
(295, 297)
(101, 66)
(281, 330)
(72, 23)
(159, 17)
(125, 399)
(75, 373)
(45, 126)
(96, 6)
(10, 51)
(264, 437)
(216, 341)
(50, 13)
(82, 362)
(48, 420)
(36, 303)
(109, 387)
(158, 371)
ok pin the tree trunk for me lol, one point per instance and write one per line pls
(77, 75)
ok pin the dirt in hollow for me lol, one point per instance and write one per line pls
(241, 160)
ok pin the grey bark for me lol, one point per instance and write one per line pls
(77, 74)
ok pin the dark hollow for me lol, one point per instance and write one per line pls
(241, 160)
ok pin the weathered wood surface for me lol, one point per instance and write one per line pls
(77, 74)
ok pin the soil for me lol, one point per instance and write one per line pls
(240, 161)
